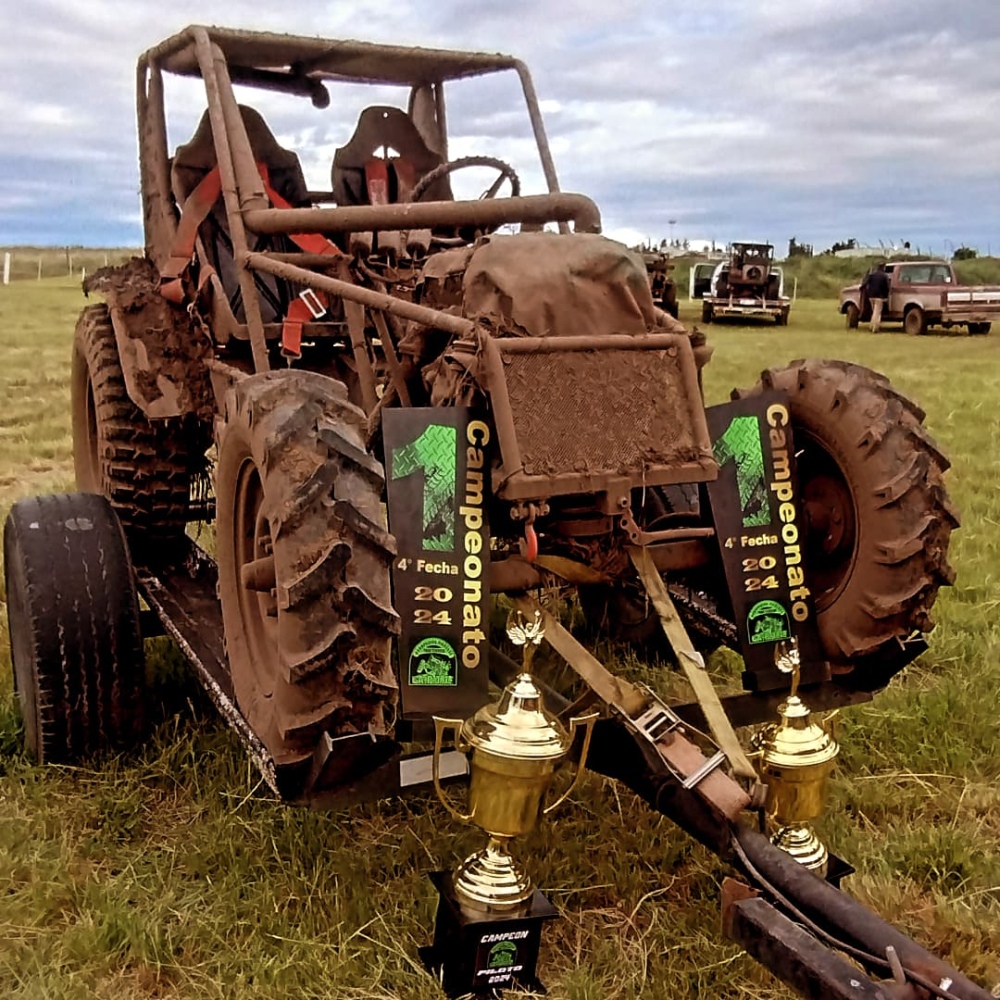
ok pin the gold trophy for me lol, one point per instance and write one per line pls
(796, 756)
(515, 748)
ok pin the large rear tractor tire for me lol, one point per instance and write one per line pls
(142, 466)
(73, 614)
(878, 519)
(304, 563)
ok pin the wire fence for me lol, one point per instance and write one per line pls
(36, 263)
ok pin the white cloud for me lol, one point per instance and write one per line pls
(800, 115)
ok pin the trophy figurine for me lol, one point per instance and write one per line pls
(796, 757)
(515, 747)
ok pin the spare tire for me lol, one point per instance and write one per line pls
(73, 613)
(878, 518)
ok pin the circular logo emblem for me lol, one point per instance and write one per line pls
(433, 663)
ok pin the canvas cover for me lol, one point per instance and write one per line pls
(555, 285)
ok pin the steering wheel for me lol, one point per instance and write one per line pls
(506, 171)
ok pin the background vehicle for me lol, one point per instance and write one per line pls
(326, 348)
(661, 281)
(749, 285)
(924, 294)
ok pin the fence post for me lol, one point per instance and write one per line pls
(39, 267)
(6, 267)
(795, 288)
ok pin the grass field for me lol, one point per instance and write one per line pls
(170, 873)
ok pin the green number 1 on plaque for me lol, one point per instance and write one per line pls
(434, 453)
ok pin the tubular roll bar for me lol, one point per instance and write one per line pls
(533, 209)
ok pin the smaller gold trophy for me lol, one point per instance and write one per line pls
(796, 756)
(489, 918)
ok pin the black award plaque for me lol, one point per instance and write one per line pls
(437, 466)
(482, 952)
(755, 505)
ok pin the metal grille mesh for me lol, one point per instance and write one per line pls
(599, 411)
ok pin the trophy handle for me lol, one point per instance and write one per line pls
(442, 726)
(587, 721)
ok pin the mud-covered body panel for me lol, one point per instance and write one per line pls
(162, 350)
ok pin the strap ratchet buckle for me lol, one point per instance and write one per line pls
(313, 303)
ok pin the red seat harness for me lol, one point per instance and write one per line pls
(309, 304)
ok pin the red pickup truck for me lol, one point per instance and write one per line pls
(926, 293)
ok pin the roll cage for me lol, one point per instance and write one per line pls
(301, 65)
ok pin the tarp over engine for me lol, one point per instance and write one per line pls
(554, 285)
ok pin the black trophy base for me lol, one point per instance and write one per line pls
(837, 869)
(480, 951)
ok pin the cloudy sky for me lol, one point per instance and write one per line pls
(759, 119)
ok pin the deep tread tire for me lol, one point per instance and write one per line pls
(852, 316)
(74, 627)
(142, 466)
(294, 477)
(879, 583)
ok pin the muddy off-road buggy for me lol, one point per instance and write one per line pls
(296, 366)
(749, 285)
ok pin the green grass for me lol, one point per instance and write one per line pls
(170, 873)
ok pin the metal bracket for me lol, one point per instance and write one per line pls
(705, 770)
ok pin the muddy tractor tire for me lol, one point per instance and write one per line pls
(142, 466)
(852, 316)
(304, 563)
(915, 322)
(75, 642)
(670, 303)
(877, 518)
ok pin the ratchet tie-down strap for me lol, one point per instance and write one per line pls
(645, 714)
(310, 304)
(692, 663)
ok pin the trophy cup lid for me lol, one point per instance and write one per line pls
(796, 741)
(518, 725)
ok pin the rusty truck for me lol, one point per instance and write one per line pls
(924, 294)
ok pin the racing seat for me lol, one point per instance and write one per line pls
(193, 161)
(361, 177)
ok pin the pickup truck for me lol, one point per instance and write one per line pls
(926, 293)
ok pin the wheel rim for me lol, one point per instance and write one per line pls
(252, 544)
(831, 533)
